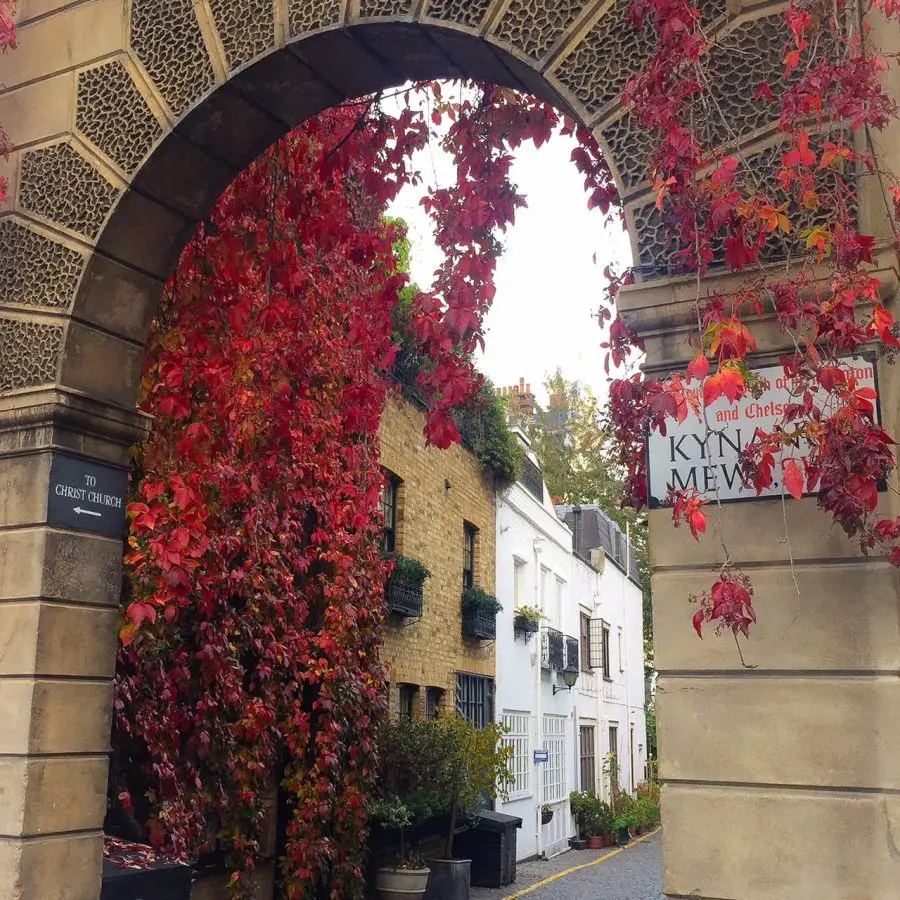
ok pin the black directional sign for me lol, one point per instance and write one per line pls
(87, 496)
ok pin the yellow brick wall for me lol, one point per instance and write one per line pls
(430, 651)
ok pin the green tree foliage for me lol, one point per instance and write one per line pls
(482, 420)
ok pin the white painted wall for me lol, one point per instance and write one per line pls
(536, 567)
(619, 603)
(530, 535)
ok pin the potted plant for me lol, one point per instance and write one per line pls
(646, 812)
(593, 817)
(407, 878)
(621, 824)
(405, 594)
(579, 803)
(480, 614)
(601, 825)
(527, 621)
(546, 814)
(475, 765)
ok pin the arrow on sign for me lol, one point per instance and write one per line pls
(87, 512)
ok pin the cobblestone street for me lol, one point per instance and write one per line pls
(634, 873)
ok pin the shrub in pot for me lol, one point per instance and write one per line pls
(593, 817)
(436, 769)
(601, 826)
(476, 764)
(622, 823)
(579, 803)
(407, 877)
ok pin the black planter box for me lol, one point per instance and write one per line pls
(449, 879)
(478, 624)
(523, 625)
(161, 881)
(405, 597)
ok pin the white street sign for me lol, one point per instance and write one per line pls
(690, 456)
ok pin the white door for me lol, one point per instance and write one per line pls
(556, 791)
(556, 836)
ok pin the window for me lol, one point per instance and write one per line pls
(389, 512)
(434, 701)
(607, 669)
(518, 737)
(588, 758)
(558, 609)
(469, 532)
(520, 590)
(545, 574)
(621, 653)
(631, 756)
(585, 643)
(475, 698)
(406, 701)
(614, 756)
(555, 788)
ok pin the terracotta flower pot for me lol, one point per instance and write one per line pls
(596, 842)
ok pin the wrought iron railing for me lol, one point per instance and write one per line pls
(479, 624)
(405, 597)
(532, 479)
(553, 651)
(571, 653)
(405, 374)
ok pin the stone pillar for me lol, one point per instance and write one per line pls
(780, 781)
(59, 591)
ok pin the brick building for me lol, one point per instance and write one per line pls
(440, 510)
(520, 403)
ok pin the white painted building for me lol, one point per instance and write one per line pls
(584, 608)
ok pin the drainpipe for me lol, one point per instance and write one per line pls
(538, 730)
(625, 641)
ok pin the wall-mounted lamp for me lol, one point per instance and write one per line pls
(570, 676)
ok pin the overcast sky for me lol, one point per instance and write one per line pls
(548, 283)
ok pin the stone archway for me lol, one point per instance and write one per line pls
(128, 117)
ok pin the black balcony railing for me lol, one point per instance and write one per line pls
(479, 624)
(572, 653)
(532, 479)
(553, 650)
(405, 374)
(405, 597)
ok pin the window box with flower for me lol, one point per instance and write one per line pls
(527, 622)
(405, 587)
(479, 614)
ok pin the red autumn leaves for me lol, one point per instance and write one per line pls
(827, 306)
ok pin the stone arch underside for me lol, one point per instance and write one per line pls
(129, 117)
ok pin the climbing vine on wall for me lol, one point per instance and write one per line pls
(824, 295)
(254, 587)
